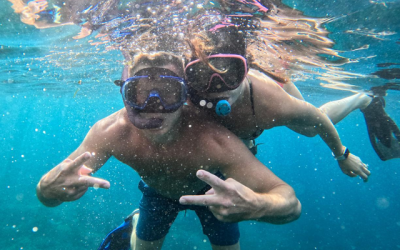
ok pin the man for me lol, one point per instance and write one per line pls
(167, 143)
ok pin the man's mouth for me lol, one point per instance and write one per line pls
(145, 115)
(145, 120)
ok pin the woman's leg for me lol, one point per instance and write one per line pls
(337, 110)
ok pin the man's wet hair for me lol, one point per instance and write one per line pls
(154, 59)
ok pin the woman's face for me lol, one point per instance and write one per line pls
(230, 95)
(220, 77)
(216, 73)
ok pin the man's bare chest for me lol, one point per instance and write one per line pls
(169, 170)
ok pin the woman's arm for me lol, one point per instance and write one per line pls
(272, 103)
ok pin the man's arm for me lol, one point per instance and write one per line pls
(231, 201)
(251, 192)
(70, 179)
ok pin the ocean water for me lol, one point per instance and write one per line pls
(53, 88)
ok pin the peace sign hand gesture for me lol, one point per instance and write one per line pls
(68, 181)
(229, 200)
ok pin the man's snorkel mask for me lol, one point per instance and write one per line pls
(152, 90)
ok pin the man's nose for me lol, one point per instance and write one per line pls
(154, 103)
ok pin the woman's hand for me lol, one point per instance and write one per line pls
(353, 166)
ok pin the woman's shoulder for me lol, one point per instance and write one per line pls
(256, 77)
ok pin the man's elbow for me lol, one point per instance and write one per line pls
(293, 205)
(289, 209)
(296, 212)
(292, 214)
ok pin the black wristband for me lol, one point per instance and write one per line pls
(344, 156)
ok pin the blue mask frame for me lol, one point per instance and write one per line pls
(167, 108)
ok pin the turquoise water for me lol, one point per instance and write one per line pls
(54, 88)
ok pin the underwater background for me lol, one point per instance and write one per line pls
(54, 88)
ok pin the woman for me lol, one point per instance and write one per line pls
(247, 101)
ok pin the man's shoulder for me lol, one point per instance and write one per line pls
(204, 127)
(113, 124)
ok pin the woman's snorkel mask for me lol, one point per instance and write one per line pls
(152, 90)
(222, 72)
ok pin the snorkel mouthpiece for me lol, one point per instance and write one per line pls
(223, 108)
(221, 105)
(140, 122)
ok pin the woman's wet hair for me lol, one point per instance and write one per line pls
(227, 40)
(277, 40)
(282, 43)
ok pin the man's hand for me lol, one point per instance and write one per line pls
(353, 166)
(229, 200)
(68, 181)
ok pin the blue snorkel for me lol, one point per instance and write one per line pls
(221, 105)
(223, 108)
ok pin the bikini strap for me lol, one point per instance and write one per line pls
(258, 131)
(251, 96)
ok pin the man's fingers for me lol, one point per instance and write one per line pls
(76, 164)
(76, 194)
(200, 200)
(210, 192)
(67, 160)
(94, 182)
(211, 179)
(85, 170)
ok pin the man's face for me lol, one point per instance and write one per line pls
(157, 122)
(169, 120)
